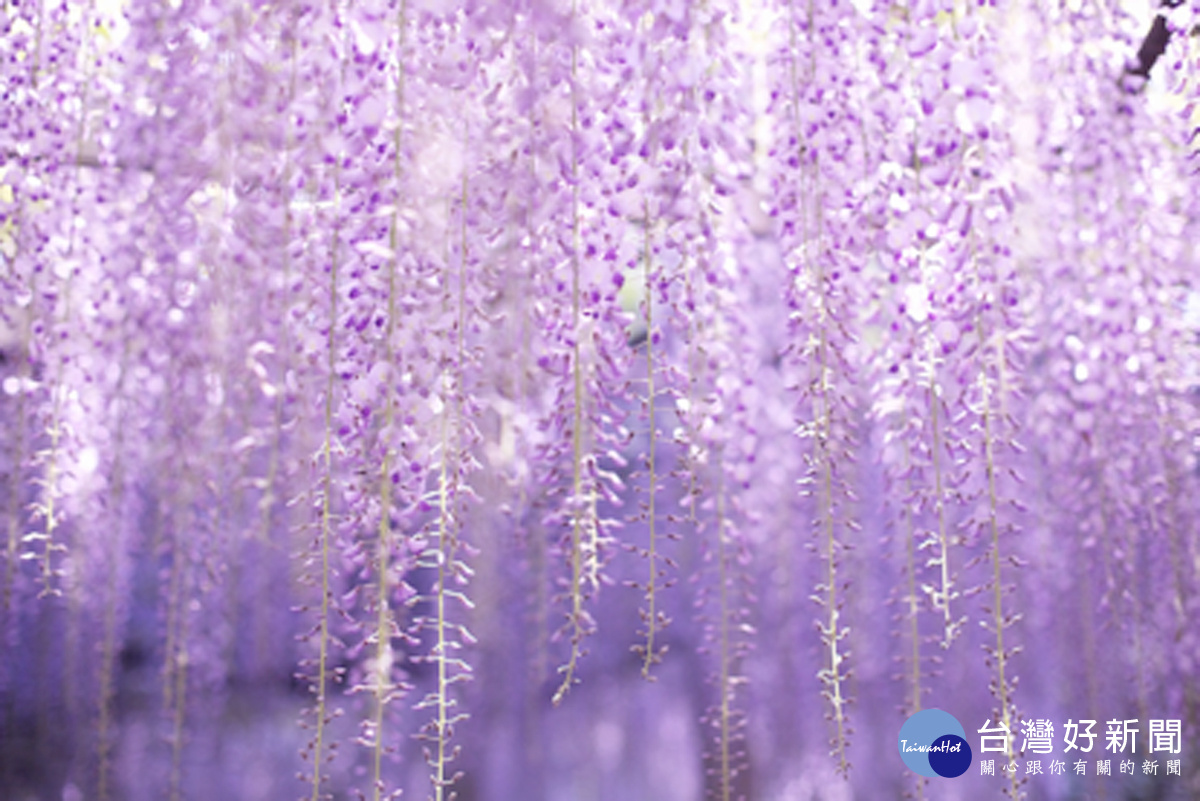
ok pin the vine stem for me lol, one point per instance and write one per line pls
(997, 588)
(1002, 688)
(327, 484)
(108, 648)
(827, 506)
(440, 650)
(383, 622)
(650, 657)
(726, 655)
(14, 503)
(577, 627)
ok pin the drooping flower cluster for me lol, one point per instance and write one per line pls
(411, 381)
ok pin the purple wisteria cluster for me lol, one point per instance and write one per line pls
(558, 399)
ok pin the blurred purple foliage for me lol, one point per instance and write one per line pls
(634, 400)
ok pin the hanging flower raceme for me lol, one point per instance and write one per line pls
(386, 364)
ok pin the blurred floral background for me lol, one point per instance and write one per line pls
(564, 399)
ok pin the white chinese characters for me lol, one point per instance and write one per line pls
(1120, 737)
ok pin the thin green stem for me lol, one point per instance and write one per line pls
(998, 620)
(941, 599)
(15, 518)
(441, 649)
(383, 621)
(108, 648)
(650, 657)
(1003, 691)
(577, 511)
(323, 645)
(726, 687)
(914, 606)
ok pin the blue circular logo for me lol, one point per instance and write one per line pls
(933, 743)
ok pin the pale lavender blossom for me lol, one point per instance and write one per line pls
(559, 399)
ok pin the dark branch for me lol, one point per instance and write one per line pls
(1153, 46)
(84, 160)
